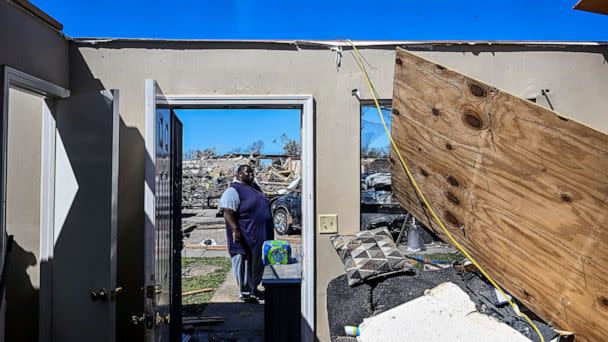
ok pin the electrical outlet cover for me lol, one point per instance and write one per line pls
(328, 224)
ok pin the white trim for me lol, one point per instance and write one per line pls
(306, 103)
(149, 200)
(20, 80)
(47, 221)
(13, 78)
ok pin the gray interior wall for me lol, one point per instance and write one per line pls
(577, 78)
(23, 214)
(32, 46)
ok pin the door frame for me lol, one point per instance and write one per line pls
(13, 78)
(306, 104)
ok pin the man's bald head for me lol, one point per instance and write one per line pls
(244, 173)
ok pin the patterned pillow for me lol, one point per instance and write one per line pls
(369, 254)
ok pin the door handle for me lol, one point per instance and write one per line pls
(100, 294)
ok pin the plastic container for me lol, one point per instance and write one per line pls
(276, 252)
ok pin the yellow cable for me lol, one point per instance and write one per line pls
(358, 59)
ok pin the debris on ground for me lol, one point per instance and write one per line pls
(202, 273)
(192, 292)
(352, 305)
(443, 313)
(205, 179)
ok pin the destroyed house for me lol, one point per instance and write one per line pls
(84, 145)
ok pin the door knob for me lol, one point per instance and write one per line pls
(100, 294)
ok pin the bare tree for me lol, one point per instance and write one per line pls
(255, 147)
(374, 152)
(210, 152)
(290, 146)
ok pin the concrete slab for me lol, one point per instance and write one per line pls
(198, 235)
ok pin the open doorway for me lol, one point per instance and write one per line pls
(300, 277)
(27, 219)
(215, 143)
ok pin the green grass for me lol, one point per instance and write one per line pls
(213, 279)
(449, 257)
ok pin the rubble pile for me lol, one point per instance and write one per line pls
(375, 165)
(204, 179)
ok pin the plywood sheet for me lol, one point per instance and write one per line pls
(596, 6)
(523, 188)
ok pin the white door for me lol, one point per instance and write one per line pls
(86, 206)
(79, 202)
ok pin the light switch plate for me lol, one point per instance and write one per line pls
(328, 224)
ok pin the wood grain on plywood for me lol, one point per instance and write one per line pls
(524, 189)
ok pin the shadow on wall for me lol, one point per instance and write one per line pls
(130, 230)
(84, 188)
(20, 297)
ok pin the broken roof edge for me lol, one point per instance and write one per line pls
(341, 43)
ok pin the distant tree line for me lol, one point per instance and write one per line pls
(375, 152)
(290, 147)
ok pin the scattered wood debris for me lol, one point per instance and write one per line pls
(193, 292)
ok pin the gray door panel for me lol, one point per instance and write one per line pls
(86, 192)
(159, 206)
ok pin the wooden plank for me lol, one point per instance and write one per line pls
(193, 292)
(596, 6)
(207, 247)
(524, 189)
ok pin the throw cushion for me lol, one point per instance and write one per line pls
(369, 254)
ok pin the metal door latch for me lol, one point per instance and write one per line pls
(100, 294)
(117, 291)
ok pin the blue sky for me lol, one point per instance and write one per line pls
(329, 19)
(316, 19)
(373, 134)
(229, 129)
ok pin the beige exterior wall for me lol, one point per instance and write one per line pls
(577, 78)
(23, 214)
